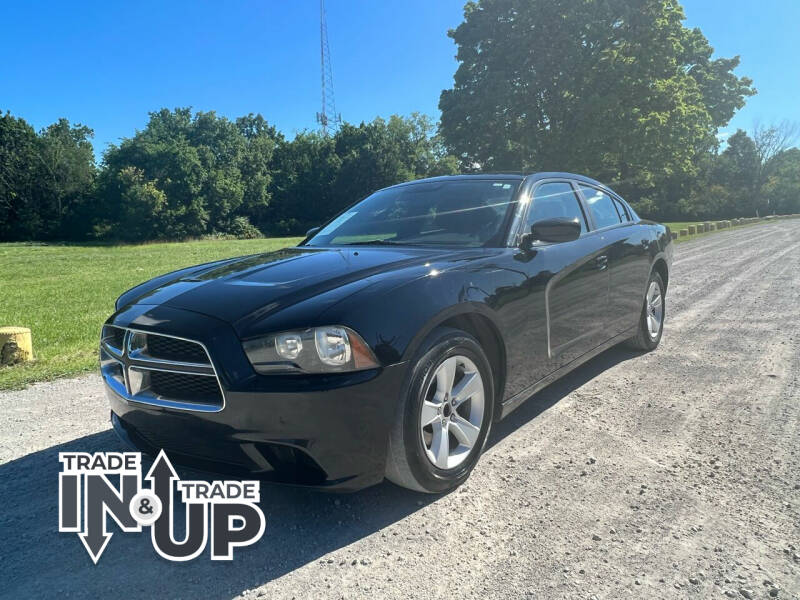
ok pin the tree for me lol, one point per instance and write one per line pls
(770, 142)
(783, 187)
(66, 160)
(617, 89)
(205, 173)
(317, 176)
(46, 180)
(736, 170)
(163, 155)
(754, 168)
(19, 214)
(304, 170)
(143, 204)
(256, 164)
(382, 153)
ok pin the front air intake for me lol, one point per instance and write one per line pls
(159, 369)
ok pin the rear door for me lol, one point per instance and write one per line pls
(628, 263)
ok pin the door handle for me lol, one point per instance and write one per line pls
(601, 262)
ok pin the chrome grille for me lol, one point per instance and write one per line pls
(159, 346)
(114, 337)
(159, 369)
(184, 387)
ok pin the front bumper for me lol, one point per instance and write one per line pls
(328, 431)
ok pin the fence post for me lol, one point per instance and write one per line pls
(15, 345)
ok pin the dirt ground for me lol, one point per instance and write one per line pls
(668, 475)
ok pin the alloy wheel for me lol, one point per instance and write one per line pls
(452, 412)
(655, 309)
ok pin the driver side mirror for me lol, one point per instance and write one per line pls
(555, 231)
(311, 232)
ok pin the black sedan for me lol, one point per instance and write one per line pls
(388, 342)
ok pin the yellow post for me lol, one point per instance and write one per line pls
(15, 345)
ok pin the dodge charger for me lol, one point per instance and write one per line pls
(387, 343)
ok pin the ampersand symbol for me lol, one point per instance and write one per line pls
(144, 507)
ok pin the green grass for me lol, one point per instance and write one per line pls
(676, 227)
(64, 293)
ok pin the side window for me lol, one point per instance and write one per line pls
(552, 200)
(602, 207)
(621, 211)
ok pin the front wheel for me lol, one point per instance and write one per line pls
(651, 321)
(442, 424)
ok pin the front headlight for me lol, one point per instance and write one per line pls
(328, 349)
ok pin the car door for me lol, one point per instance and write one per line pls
(576, 282)
(628, 264)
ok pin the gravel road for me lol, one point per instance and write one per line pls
(669, 475)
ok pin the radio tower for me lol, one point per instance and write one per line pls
(328, 117)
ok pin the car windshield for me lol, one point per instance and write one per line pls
(460, 212)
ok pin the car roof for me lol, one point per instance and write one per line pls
(512, 176)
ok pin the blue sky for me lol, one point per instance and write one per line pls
(106, 64)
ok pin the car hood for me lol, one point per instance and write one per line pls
(252, 287)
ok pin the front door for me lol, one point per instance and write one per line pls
(568, 284)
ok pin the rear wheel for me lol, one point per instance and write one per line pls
(651, 322)
(442, 425)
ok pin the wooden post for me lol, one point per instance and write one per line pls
(692, 229)
(15, 345)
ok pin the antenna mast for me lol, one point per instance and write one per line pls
(328, 117)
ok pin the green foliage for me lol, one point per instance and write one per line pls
(317, 176)
(782, 189)
(46, 180)
(753, 176)
(241, 228)
(735, 170)
(19, 214)
(189, 175)
(192, 174)
(616, 89)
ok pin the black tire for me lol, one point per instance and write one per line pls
(407, 463)
(644, 340)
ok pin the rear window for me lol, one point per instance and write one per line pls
(622, 210)
(604, 209)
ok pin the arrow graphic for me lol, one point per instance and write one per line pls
(161, 477)
(95, 538)
(101, 497)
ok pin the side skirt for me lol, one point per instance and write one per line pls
(518, 399)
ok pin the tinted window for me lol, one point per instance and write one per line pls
(602, 207)
(552, 200)
(621, 211)
(461, 212)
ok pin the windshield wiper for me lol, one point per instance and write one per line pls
(376, 243)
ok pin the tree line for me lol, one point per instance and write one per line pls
(619, 90)
(198, 174)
